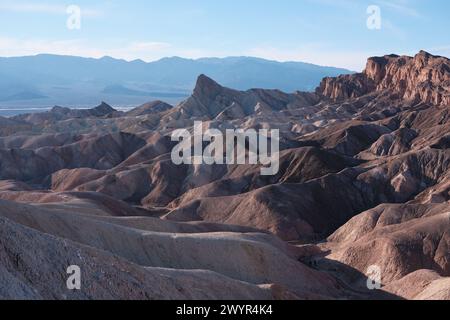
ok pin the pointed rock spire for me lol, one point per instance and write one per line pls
(206, 87)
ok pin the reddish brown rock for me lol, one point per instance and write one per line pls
(423, 78)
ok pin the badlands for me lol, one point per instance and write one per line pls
(364, 180)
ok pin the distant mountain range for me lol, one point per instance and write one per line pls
(46, 80)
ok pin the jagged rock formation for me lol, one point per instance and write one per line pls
(364, 173)
(423, 78)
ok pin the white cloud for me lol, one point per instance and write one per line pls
(32, 7)
(22, 47)
(148, 46)
(10, 47)
(400, 6)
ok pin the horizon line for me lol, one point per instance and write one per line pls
(176, 57)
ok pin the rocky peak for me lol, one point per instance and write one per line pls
(102, 109)
(61, 110)
(376, 67)
(422, 78)
(423, 57)
(206, 87)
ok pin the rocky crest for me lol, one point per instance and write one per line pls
(423, 78)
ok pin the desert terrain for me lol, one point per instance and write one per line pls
(364, 181)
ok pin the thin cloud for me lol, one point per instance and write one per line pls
(150, 46)
(394, 30)
(443, 50)
(400, 6)
(30, 7)
(351, 60)
(343, 4)
(11, 47)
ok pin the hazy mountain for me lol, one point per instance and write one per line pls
(23, 95)
(77, 81)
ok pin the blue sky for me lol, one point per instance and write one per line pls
(326, 32)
